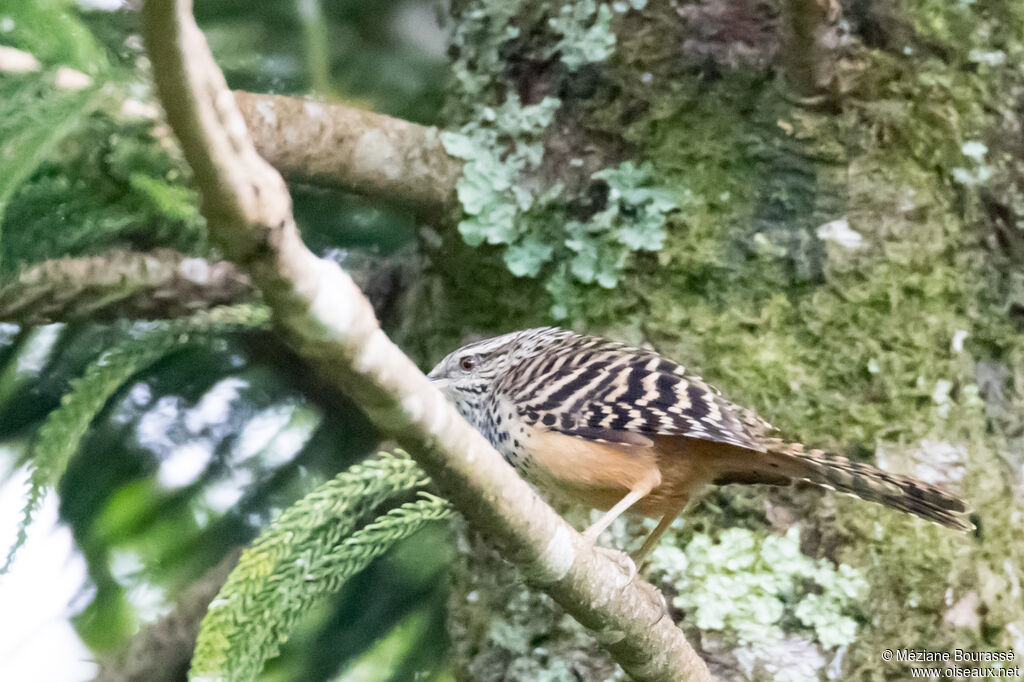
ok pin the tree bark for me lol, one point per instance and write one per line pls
(340, 146)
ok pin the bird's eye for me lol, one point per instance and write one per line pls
(467, 363)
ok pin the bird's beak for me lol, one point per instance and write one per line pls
(438, 380)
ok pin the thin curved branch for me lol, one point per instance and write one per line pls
(158, 285)
(324, 315)
(164, 284)
(334, 145)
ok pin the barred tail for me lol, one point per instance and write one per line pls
(869, 483)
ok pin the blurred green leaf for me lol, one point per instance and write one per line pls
(51, 31)
(60, 436)
(309, 552)
(34, 119)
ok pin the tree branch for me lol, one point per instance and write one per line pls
(325, 316)
(163, 285)
(340, 146)
(329, 145)
(161, 652)
(158, 285)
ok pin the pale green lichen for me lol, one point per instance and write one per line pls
(504, 204)
(634, 220)
(586, 33)
(756, 590)
(599, 248)
(494, 189)
(506, 201)
(975, 171)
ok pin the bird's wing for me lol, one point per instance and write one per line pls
(621, 396)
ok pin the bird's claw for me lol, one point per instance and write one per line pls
(629, 570)
(621, 560)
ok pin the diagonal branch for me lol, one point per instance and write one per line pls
(323, 314)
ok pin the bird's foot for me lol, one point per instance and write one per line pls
(628, 568)
(655, 597)
(621, 561)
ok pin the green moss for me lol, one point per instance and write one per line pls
(890, 336)
(881, 344)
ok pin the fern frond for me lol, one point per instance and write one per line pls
(309, 552)
(368, 543)
(60, 436)
(35, 118)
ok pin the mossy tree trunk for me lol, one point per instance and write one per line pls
(841, 251)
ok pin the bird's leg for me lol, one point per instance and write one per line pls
(615, 512)
(639, 490)
(635, 494)
(659, 530)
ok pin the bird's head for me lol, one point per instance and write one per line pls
(470, 373)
